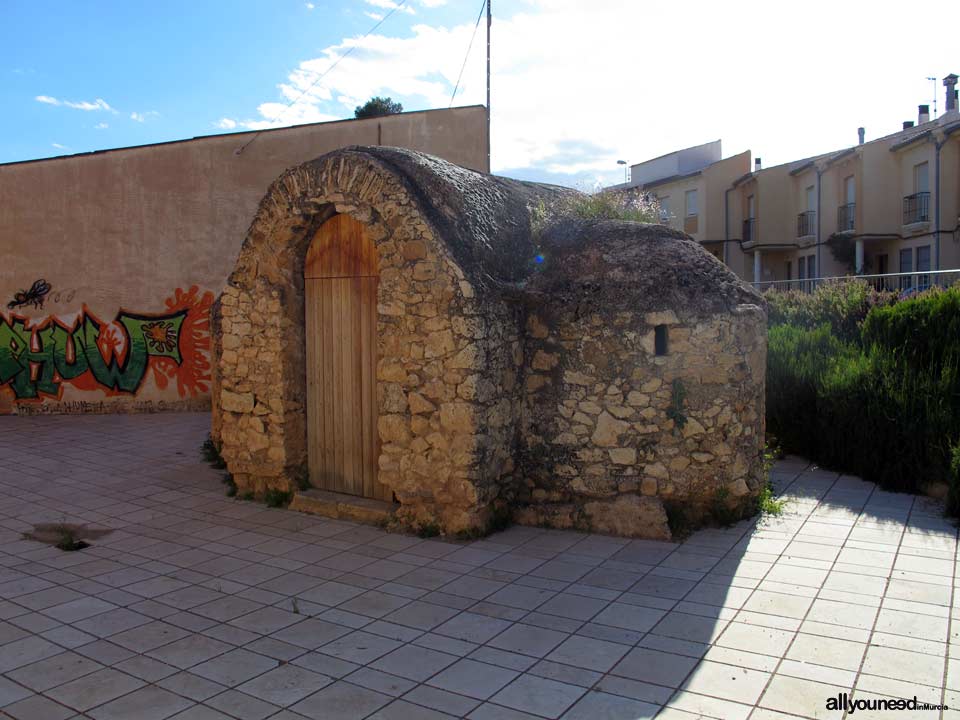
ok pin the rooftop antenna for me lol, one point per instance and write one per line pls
(934, 81)
(489, 24)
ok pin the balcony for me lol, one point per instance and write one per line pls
(916, 208)
(691, 223)
(807, 223)
(845, 217)
(750, 230)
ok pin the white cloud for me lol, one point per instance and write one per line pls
(577, 86)
(142, 117)
(391, 5)
(226, 124)
(58, 146)
(433, 3)
(101, 126)
(98, 104)
(373, 15)
(310, 6)
(85, 105)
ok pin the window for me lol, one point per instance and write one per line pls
(906, 266)
(751, 208)
(664, 209)
(811, 270)
(690, 199)
(789, 269)
(811, 198)
(883, 267)
(849, 190)
(660, 339)
(923, 265)
(921, 178)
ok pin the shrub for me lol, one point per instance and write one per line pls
(877, 396)
(843, 307)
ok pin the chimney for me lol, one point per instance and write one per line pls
(907, 124)
(923, 114)
(757, 165)
(861, 133)
(949, 82)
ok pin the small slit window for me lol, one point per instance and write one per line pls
(660, 339)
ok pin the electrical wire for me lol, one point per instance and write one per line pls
(326, 72)
(456, 87)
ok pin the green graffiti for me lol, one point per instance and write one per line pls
(34, 361)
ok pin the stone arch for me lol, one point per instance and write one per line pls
(448, 354)
(517, 367)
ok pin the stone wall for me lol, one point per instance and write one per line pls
(613, 431)
(503, 385)
(447, 361)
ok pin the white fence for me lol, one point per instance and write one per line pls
(904, 283)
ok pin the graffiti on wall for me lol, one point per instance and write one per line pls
(115, 357)
(35, 296)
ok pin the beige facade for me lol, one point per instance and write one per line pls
(124, 250)
(691, 187)
(890, 205)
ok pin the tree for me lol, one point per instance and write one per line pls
(377, 107)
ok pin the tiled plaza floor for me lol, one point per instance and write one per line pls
(200, 607)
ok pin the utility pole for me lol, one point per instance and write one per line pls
(934, 80)
(489, 24)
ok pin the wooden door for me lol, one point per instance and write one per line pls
(340, 278)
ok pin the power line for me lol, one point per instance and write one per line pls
(466, 57)
(326, 72)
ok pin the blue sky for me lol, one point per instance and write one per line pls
(577, 85)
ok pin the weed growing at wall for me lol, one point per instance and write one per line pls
(277, 498)
(867, 385)
(678, 393)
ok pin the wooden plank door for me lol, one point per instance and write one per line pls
(340, 278)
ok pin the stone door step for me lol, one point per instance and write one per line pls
(343, 507)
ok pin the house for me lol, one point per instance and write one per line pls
(399, 335)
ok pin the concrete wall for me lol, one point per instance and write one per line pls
(154, 231)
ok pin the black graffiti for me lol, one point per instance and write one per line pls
(36, 296)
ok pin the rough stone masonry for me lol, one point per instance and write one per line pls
(590, 375)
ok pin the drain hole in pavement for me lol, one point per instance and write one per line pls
(65, 536)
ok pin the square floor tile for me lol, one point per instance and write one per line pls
(655, 666)
(589, 653)
(540, 696)
(603, 706)
(341, 701)
(414, 662)
(94, 689)
(528, 640)
(473, 679)
(149, 703)
(234, 667)
(360, 647)
(285, 685)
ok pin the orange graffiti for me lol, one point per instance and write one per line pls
(193, 374)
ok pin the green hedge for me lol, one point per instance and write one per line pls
(869, 385)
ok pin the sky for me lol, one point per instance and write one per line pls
(577, 84)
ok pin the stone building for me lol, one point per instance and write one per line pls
(409, 333)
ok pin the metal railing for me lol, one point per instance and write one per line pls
(845, 217)
(916, 208)
(905, 283)
(807, 223)
(749, 230)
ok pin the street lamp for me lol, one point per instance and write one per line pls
(624, 163)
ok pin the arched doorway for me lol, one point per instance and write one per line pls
(340, 279)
